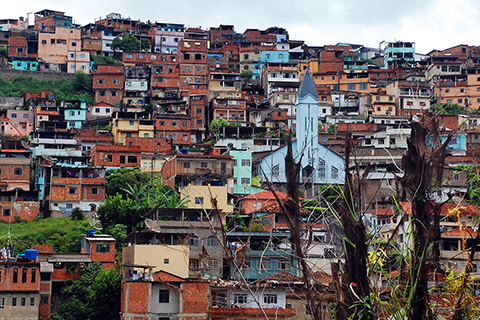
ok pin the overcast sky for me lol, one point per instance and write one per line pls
(431, 24)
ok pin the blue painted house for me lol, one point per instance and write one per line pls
(268, 57)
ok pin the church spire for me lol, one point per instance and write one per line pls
(307, 87)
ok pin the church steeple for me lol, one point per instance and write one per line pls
(306, 103)
(307, 88)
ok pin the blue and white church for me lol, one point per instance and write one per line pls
(319, 164)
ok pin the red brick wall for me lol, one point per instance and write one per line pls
(195, 297)
(25, 210)
(17, 42)
(167, 130)
(20, 285)
(62, 274)
(150, 145)
(115, 151)
(138, 298)
(102, 256)
(8, 173)
(169, 171)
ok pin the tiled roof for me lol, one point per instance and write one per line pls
(266, 195)
(43, 248)
(164, 276)
(281, 277)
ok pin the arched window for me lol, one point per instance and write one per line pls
(193, 241)
(212, 241)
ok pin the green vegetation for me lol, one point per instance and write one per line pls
(246, 74)
(216, 124)
(3, 51)
(94, 295)
(129, 43)
(448, 108)
(78, 88)
(98, 59)
(64, 234)
(131, 194)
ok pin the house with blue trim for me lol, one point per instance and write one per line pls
(319, 164)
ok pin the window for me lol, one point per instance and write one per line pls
(203, 164)
(198, 200)
(246, 181)
(194, 265)
(266, 265)
(212, 264)
(456, 177)
(97, 110)
(362, 86)
(2, 303)
(321, 168)
(34, 276)
(174, 123)
(212, 241)
(447, 90)
(240, 298)
(15, 275)
(100, 81)
(161, 123)
(32, 302)
(390, 99)
(14, 302)
(22, 302)
(7, 212)
(186, 165)
(462, 90)
(270, 298)
(276, 170)
(24, 275)
(17, 171)
(122, 159)
(113, 93)
(19, 50)
(283, 265)
(352, 86)
(166, 261)
(163, 296)
(381, 141)
(102, 247)
(184, 124)
(193, 241)
(245, 162)
(132, 159)
(14, 115)
(186, 69)
(95, 191)
(73, 190)
(334, 173)
(460, 100)
(44, 299)
(392, 141)
(199, 110)
(102, 93)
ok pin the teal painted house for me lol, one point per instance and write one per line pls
(25, 64)
(75, 113)
(242, 172)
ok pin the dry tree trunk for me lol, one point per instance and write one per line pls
(423, 169)
(353, 281)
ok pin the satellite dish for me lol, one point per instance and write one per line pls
(46, 156)
(152, 225)
(95, 223)
(25, 144)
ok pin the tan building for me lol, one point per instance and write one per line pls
(135, 125)
(170, 258)
(54, 46)
(78, 61)
(200, 197)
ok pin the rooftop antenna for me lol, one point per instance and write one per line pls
(153, 225)
(46, 156)
(94, 222)
(25, 144)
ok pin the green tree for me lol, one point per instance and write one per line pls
(449, 108)
(77, 214)
(3, 52)
(82, 82)
(118, 179)
(216, 124)
(119, 233)
(146, 44)
(104, 299)
(127, 43)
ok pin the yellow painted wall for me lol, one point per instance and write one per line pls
(155, 255)
(206, 192)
